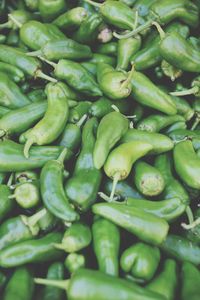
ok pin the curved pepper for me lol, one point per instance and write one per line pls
(57, 113)
(111, 128)
(145, 226)
(79, 111)
(141, 260)
(106, 243)
(83, 186)
(190, 276)
(187, 164)
(52, 191)
(97, 284)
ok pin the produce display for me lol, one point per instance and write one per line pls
(99, 149)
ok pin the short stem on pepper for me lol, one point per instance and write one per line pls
(37, 53)
(40, 74)
(194, 90)
(51, 63)
(27, 147)
(189, 214)
(133, 32)
(16, 22)
(115, 108)
(160, 30)
(62, 156)
(10, 179)
(82, 120)
(62, 284)
(32, 221)
(106, 198)
(116, 178)
(129, 78)
(191, 225)
(196, 122)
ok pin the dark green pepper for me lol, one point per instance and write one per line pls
(50, 9)
(106, 243)
(141, 260)
(16, 18)
(12, 72)
(108, 48)
(145, 226)
(52, 191)
(37, 95)
(77, 112)
(190, 277)
(84, 184)
(7, 203)
(125, 50)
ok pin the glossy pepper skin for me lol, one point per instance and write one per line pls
(52, 191)
(160, 142)
(169, 209)
(182, 249)
(165, 283)
(55, 272)
(144, 225)
(7, 204)
(56, 114)
(148, 180)
(115, 84)
(12, 291)
(190, 276)
(12, 158)
(27, 194)
(106, 243)
(21, 119)
(108, 48)
(77, 237)
(31, 251)
(71, 19)
(63, 48)
(179, 53)
(97, 284)
(12, 72)
(187, 164)
(141, 260)
(21, 16)
(84, 184)
(35, 34)
(50, 9)
(110, 130)
(77, 77)
(10, 94)
(147, 93)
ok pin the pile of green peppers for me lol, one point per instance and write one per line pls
(99, 150)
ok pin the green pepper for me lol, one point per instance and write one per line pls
(19, 229)
(18, 120)
(169, 209)
(18, 58)
(74, 261)
(183, 108)
(170, 48)
(90, 67)
(193, 233)
(111, 128)
(98, 58)
(77, 112)
(10, 94)
(190, 278)
(77, 237)
(165, 283)
(148, 179)
(35, 34)
(90, 284)
(56, 114)
(84, 184)
(16, 18)
(36, 95)
(125, 50)
(52, 190)
(160, 143)
(114, 84)
(144, 6)
(118, 165)
(108, 48)
(7, 203)
(2, 39)
(106, 243)
(182, 249)
(141, 260)
(63, 48)
(50, 9)
(12, 72)
(89, 29)
(185, 134)
(48, 222)
(147, 93)
(23, 277)
(31, 251)
(155, 123)
(173, 188)
(72, 19)
(77, 77)
(26, 176)
(55, 272)
(187, 164)
(145, 226)
(31, 4)
(12, 158)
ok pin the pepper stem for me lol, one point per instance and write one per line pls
(196, 122)
(40, 74)
(10, 179)
(6, 25)
(191, 225)
(194, 90)
(27, 147)
(62, 284)
(134, 31)
(136, 20)
(15, 21)
(82, 120)
(115, 108)
(93, 3)
(62, 156)
(189, 214)
(32, 221)
(34, 53)
(106, 198)
(128, 80)
(160, 30)
(116, 178)
(49, 62)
